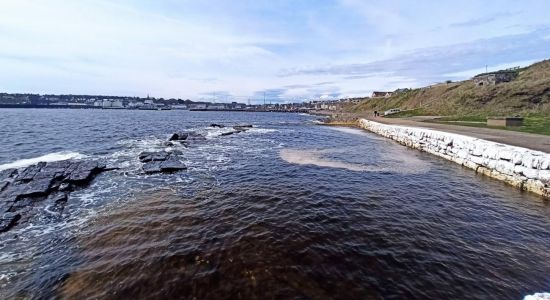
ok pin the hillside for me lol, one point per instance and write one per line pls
(529, 93)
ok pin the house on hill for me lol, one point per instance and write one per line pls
(381, 94)
(493, 78)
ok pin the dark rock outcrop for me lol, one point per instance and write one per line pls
(153, 156)
(181, 136)
(229, 133)
(8, 220)
(33, 186)
(161, 162)
(186, 136)
(217, 125)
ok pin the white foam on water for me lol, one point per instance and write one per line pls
(51, 157)
(395, 162)
(538, 296)
(312, 157)
(261, 130)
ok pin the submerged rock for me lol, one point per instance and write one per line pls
(217, 125)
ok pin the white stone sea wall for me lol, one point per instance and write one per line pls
(522, 168)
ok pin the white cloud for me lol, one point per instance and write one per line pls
(189, 48)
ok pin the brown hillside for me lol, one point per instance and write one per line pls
(528, 93)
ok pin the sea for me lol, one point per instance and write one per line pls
(289, 209)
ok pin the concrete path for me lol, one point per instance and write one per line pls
(520, 139)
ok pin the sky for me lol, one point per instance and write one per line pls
(285, 50)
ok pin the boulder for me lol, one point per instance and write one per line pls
(217, 125)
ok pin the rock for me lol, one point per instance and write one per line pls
(217, 125)
(151, 167)
(8, 220)
(28, 173)
(157, 162)
(194, 136)
(181, 136)
(168, 144)
(85, 171)
(21, 204)
(245, 126)
(35, 188)
(229, 133)
(240, 128)
(3, 185)
(176, 152)
(6, 204)
(64, 187)
(153, 156)
(56, 203)
(171, 165)
(6, 175)
(22, 190)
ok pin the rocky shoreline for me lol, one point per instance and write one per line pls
(44, 188)
(522, 168)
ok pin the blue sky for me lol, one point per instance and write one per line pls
(236, 50)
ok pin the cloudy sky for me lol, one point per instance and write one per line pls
(289, 50)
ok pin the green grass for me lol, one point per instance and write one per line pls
(407, 113)
(538, 124)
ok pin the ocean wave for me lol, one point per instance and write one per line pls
(51, 157)
(538, 296)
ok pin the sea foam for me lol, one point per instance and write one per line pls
(538, 296)
(56, 156)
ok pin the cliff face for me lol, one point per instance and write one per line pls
(520, 167)
(529, 92)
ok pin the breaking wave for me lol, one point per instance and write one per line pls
(51, 157)
(538, 296)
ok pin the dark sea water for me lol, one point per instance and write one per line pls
(287, 210)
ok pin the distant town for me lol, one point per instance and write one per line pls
(10, 100)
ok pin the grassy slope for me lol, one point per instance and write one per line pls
(528, 94)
